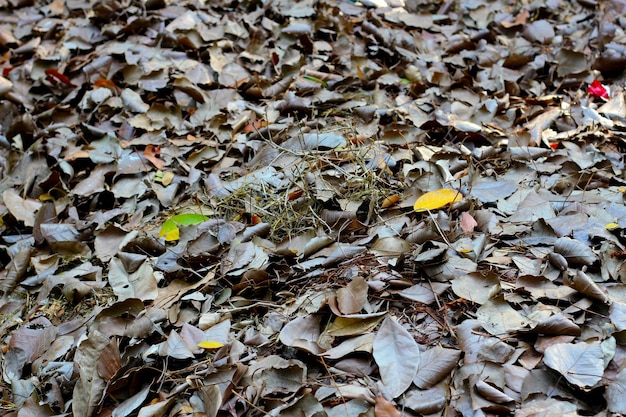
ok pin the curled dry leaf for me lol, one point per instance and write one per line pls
(492, 393)
(585, 285)
(574, 251)
(428, 401)
(558, 261)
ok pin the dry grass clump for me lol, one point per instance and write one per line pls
(339, 179)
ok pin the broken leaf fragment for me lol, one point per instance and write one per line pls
(170, 228)
(437, 199)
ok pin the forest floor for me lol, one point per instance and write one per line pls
(312, 208)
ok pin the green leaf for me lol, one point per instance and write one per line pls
(315, 80)
(170, 228)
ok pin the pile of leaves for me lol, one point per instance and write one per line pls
(318, 208)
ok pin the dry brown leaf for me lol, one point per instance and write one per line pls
(385, 408)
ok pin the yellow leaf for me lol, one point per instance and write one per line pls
(170, 227)
(171, 235)
(437, 199)
(611, 226)
(168, 177)
(209, 344)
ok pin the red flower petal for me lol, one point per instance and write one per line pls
(597, 89)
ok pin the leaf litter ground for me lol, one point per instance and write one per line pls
(312, 208)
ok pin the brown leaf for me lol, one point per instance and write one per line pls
(152, 154)
(110, 361)
(352, 298)
(385, 408)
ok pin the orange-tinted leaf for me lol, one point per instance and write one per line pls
(295, 195)
(248, 218)
(104, 83)
(437, 199)
(52, 73)
(254, 126)
(151, 153)
(385, 408)
(390, 200)
(520, 20)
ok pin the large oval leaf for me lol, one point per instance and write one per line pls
(397, 355)
(581, 364)
(437, 199)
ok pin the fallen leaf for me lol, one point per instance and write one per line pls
(385, 408)
(390, 201)
(397, 355)
(152, 154)
(170, 229)
(437, 199)
(468, 223)
(208, 344)
(582, 364)
(351, 299)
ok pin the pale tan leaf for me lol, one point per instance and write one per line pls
(351, 299)
(23, 209)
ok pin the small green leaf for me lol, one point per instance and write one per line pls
(170, 228)
(316, 80)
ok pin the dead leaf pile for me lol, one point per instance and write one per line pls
(319, 208)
